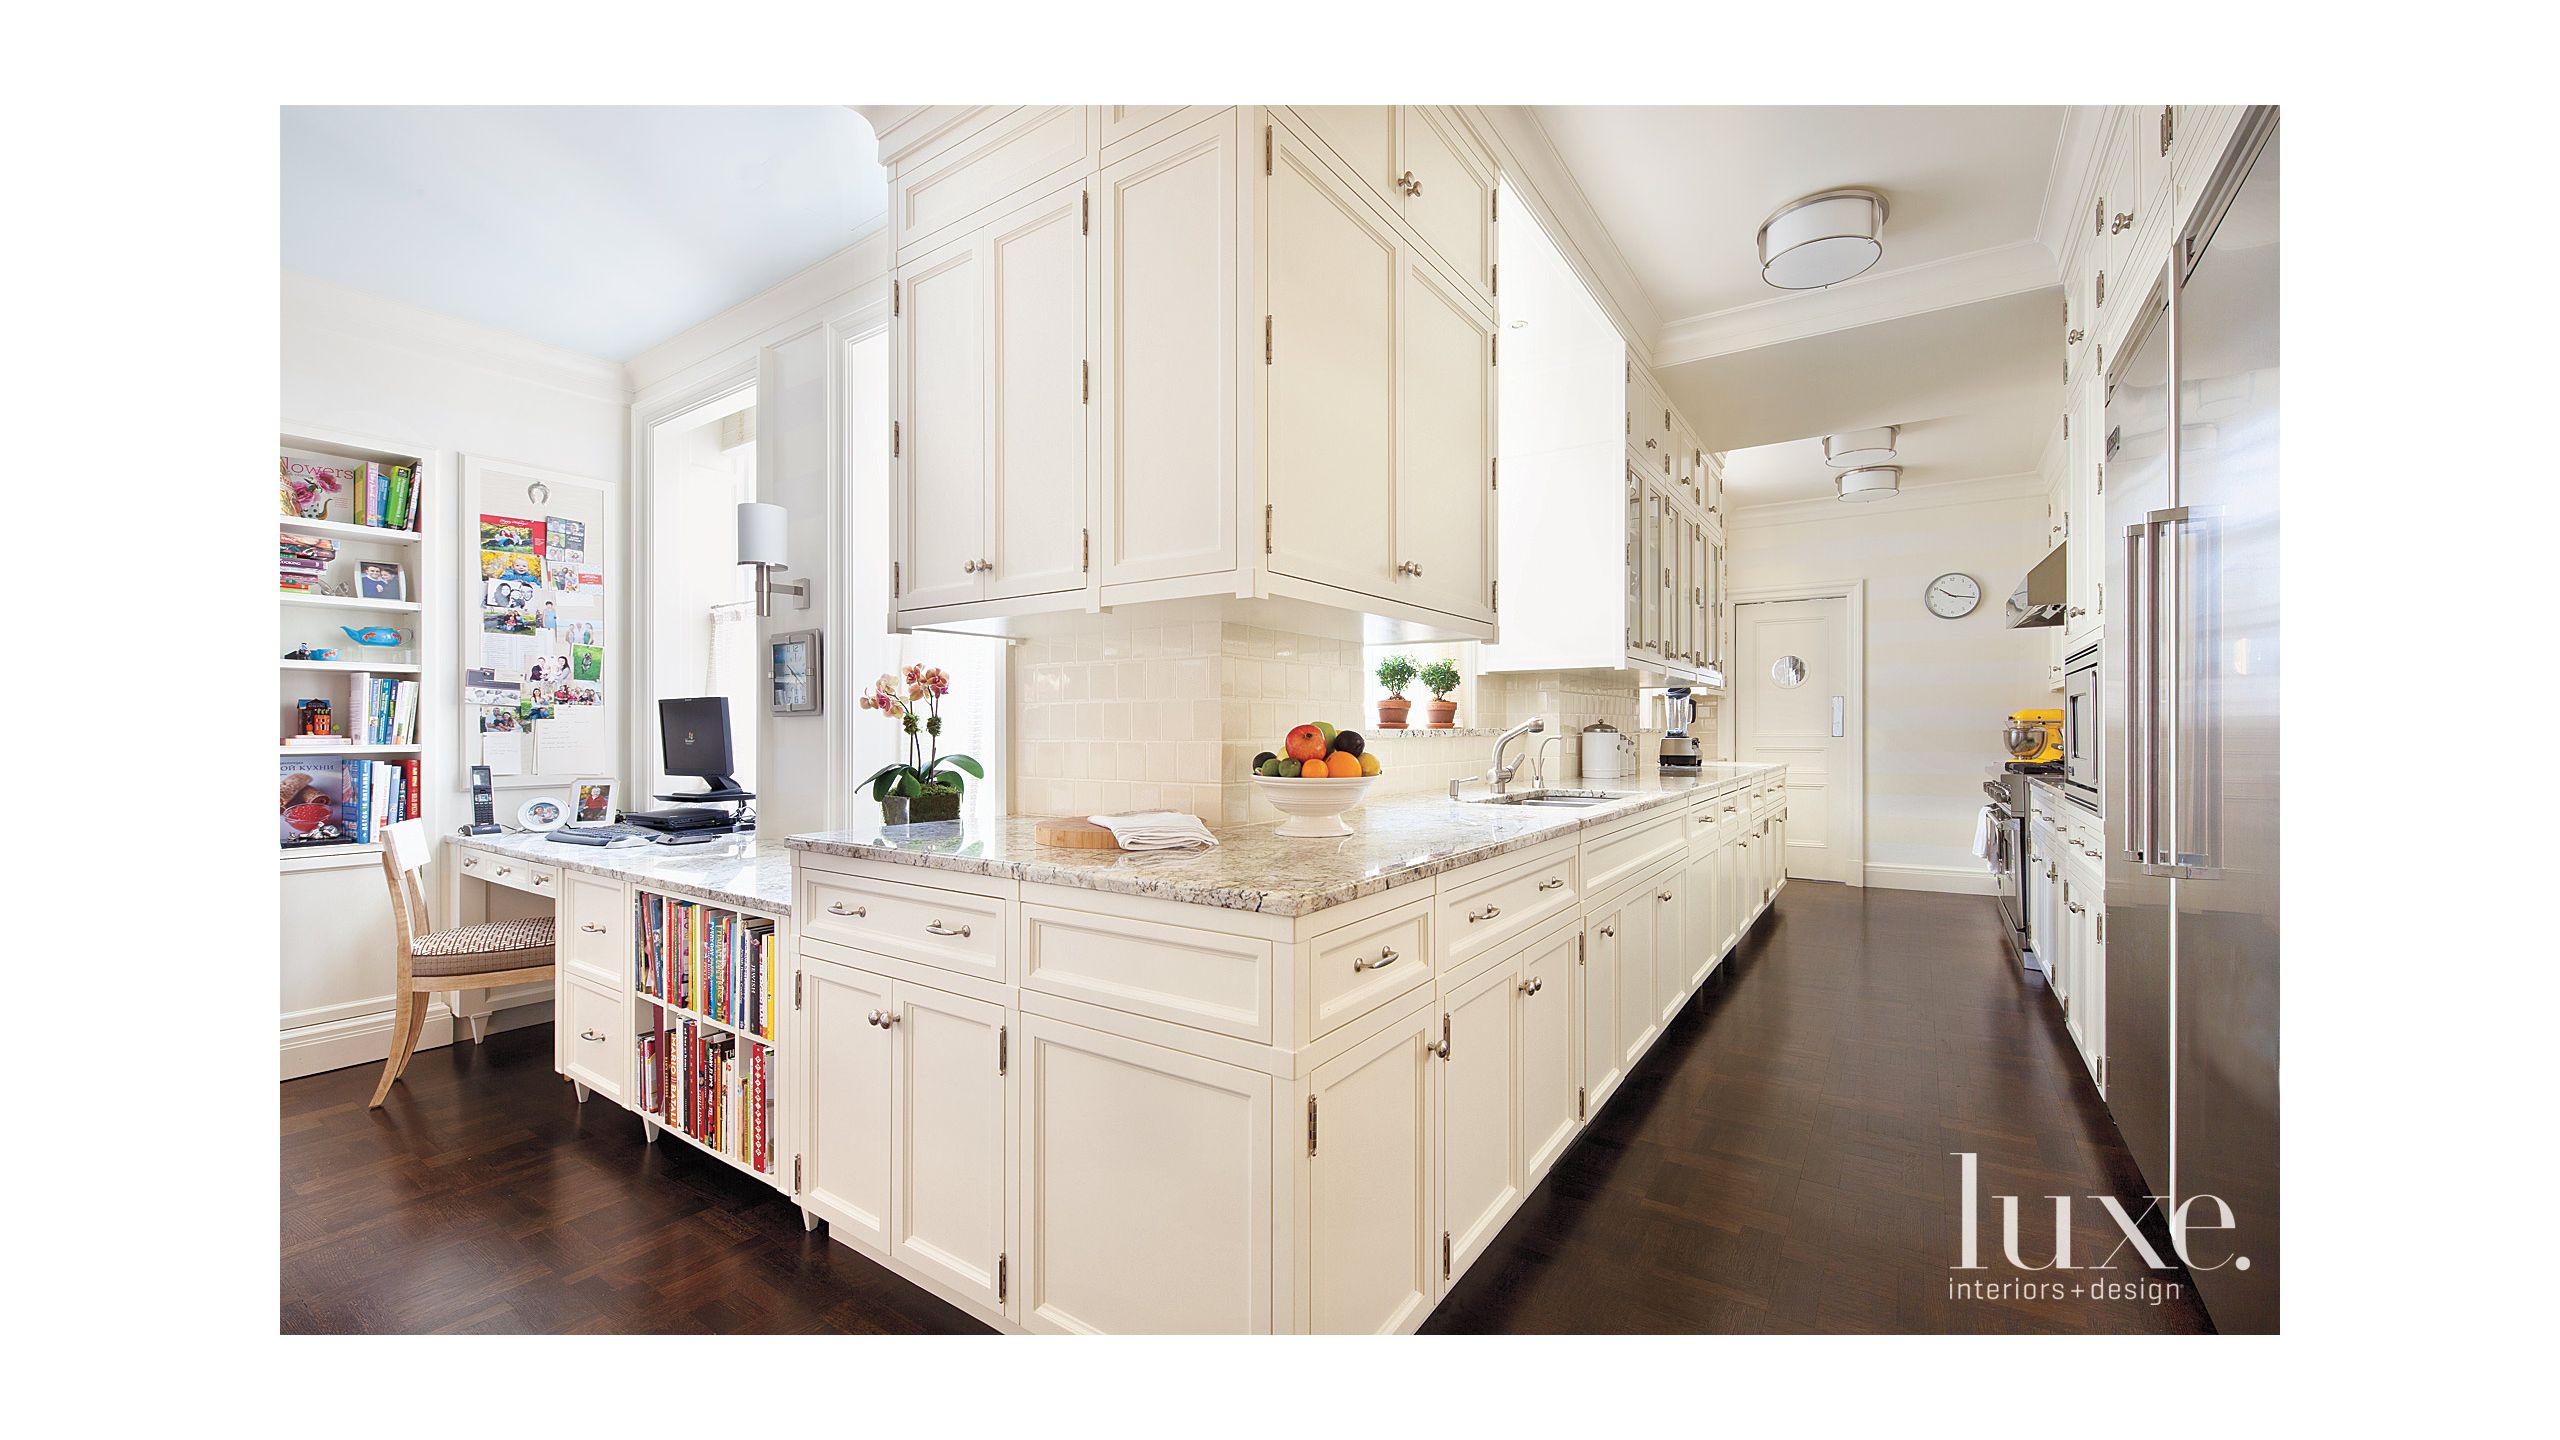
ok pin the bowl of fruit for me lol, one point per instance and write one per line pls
(1318, 773)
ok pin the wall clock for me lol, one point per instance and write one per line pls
(1953, 595)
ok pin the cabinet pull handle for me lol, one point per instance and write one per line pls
(506, 870)
(938, 928)
(1555, 884)
(592, 928)
(595, 1035)
(841, 908)
(2123, 222)
(541, 879)
(1486, 913)
(1386, 956)
(1664, 896)
(884, 1019)
(2076, 907)
(1532, 987)
(1408, 184)
(1608, 932)
(1409, 568)
(1648, 445)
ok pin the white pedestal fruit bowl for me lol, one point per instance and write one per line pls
(1314, 807)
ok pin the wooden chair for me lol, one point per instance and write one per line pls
(473, 957)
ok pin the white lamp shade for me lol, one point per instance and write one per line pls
(1822, 239)
(1872, 482)
(1859, 448)
(763, 537)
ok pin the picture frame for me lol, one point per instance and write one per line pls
(542, 814)
(382, 580)
(591, 803)
(793, 660)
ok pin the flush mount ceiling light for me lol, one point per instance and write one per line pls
(1871, 482)
(1859, 447)
(1822, 239)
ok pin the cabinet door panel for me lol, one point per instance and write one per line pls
(1373, 1257)
(1670, 944)
(1550, 1068)
(1480, 1151)
(1702, 925)
(1453, 208)
(1362, 137)
(1036, 349)
(848, 1102)
(1444, 446)
(1639, 1016)
(942, 414)
(1146, 1188)
(1331, 437)
(950, 1148)
(1603, 1062)
(1166, 397)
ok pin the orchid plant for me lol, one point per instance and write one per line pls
(915, 702)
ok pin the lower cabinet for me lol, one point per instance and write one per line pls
(848, 1101)
(1702, 918)
(1481, 1155)
(1372, 1253)
(1596, 1002)
(1550, 1069)
(1671, 960)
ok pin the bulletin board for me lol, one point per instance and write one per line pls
(540, 663)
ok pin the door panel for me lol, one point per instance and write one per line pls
(1362, 137)
(1453, 211)
(1036, 344)
(950, 1148)
(1165, 391)
(1331, 436)
(1670, 942)
(1639, 1017)
(1480, 1150)
(1701, 923)
(1603, 1063)
(1549, 1065)
(1791, 668)
(942, 414)
(849, 1102)
(1373, 1255)
(1444, 446)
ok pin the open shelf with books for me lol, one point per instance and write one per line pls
(707, 982)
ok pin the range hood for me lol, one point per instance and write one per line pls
(2039, 598)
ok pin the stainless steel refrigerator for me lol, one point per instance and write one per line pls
(2192, 516)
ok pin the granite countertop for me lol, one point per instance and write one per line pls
(740, 870)
(1398, 840)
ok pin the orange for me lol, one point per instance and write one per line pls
(1344, 767)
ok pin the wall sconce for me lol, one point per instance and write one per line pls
(762, 543)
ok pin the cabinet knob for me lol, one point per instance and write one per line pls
(1532, 987)
(1649, 445)
(1664, 896)
(1555, 884)
(1408, 568)
(2074, 337)
(1386, 956)
(938, 928)
(595, 1035)
(1408, 184)
(1608, 932)
(2123, 222)
(884, 1019)
(506, 869)
(541, 879)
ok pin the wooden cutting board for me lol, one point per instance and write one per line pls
(1068, 833)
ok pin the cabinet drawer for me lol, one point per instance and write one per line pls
(509, 871)
(945, 928)
(1200, 978)
(597, 1052)
(594, 928)
(1629, 850)
(1482, 911)
(1359, 967)
(1016, 154)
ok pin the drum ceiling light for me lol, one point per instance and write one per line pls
(1822, 239)
(1854, 448)
(1871, 482)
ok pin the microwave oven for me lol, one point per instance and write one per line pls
(2083, 736)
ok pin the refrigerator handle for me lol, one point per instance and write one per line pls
(2137, 716)
(2160, 622)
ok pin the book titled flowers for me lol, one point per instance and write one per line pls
(312, 490)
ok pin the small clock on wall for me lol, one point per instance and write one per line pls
(1953, 595)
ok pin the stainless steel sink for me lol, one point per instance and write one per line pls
(1547, 799)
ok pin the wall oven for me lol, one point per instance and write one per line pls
(2083, 732)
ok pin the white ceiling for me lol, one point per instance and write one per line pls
(600, 229)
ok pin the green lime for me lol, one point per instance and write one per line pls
(1286, 769)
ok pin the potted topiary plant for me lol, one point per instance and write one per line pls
(920, 789)
(1395, 672)
(1441, 677)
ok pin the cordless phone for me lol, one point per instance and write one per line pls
(484, 802)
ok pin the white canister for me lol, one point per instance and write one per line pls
(1607, 754)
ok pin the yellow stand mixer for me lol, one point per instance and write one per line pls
(2034, 736)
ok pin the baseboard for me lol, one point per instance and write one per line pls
(366, 1039)
(1943, 879)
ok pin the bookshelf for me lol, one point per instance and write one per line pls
(710, 988)
(317, 831)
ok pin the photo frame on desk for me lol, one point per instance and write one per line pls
(557, 732)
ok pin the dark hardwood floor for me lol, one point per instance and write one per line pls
(1780, 1162)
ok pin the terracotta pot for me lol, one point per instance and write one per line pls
(923, 809)
(1443, 713)
(1392, 712)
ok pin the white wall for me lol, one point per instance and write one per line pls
(1937, 690)
(355, 363)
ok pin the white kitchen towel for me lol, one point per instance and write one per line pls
(1986, 839)
(1157, 830)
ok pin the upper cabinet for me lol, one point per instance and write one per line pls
(1153, 353)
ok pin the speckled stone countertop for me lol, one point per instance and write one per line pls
(739, 870)
(1397, 840)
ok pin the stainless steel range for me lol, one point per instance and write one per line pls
(2006, 787)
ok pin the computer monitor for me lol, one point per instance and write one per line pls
(693, 734)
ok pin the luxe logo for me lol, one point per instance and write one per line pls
(2184, 1226)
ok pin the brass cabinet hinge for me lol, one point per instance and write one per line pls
(1497, 597)
(1444, 1254)
(1311, 1124)
(2168, 126)
(1631, 372)
(897, 438)
(897, 578)
(1001, 1277)
(1084, 382)
(1497, 206)
(1495, 470)
(2098, 217)
(1266, 339)
(2102, 927)
(1266, 529)
(1581, 949)
(1084, 213)
(795, 1174)
(1497, 349)
(897, 290)
(1086, 565)
(1266, 149)
(1004, 1046)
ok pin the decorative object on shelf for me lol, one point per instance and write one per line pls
(1953, 595)
(792, 659)
(542, 814)
(1822, 239)
(763, 541)
(1854, 448)
(313, 716)
(381, 580)
(310, 652)
(1870, 482)
(924, 787)
(375, 635)
(302, 559)
(1395, 672)
(1441, 676)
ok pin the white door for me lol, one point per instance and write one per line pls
(1480, 1150)
(1639, 1018)
(1373, 1255)
(1603, 1065)
(1549, 1069)
(848, 1102)
(941, 438)
(950, 1149)
(1444, 446)
(1450, 200)
(1795, 689)
(1670, 942)
(1036, 385)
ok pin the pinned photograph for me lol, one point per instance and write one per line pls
(586, 662)
(510, 565)
(503, 532)
(483, 687)
(509, 594)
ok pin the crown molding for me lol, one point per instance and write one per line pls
(1530, 165)
(2071, 179)
(714, 342)
(327, 305)
(1983, 490)
(1915, 290)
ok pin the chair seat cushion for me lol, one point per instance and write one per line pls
(496, 945)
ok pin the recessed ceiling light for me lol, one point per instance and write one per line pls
(1872, 482)
(1822, 239)
(1851, 449)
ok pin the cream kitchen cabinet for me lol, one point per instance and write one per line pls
(1549, 1066)
(1481, 1156)
(2085, 559)
(1372, 1258)
(1419, 164)
(993, 354)
(1672, 974)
